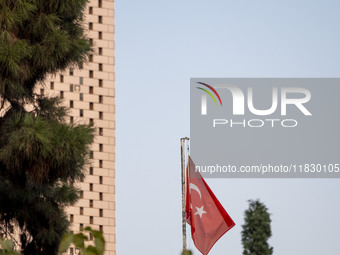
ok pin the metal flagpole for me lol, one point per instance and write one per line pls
(183, 193)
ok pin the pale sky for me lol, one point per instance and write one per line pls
(160, 45)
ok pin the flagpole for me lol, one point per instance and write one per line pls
(183, 193)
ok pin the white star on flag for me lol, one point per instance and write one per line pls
(200, 211)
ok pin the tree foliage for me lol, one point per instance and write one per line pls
(186, 252)
(38, 37)
(79, 242)
(7, 247)
(41, 156)
(256, 230)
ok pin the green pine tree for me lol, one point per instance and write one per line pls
(41, 156)
(256, 230)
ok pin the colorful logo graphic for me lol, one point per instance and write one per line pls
(209, 93)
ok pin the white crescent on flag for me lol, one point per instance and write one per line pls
(194, 187)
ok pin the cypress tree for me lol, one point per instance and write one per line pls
(256, 230)
(41, 156)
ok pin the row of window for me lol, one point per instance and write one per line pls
(100, 81)
(81, 226)
(91, 105)
(100, 4)
(100, 166)
(91, 201)
(81, 114)
(77, 89)
(81, 212)
(72, 89)
(81, 81)
(100, 182)
(91, 189)
(100, 21)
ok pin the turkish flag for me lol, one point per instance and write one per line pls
(207, 217)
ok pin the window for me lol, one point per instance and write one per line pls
(90, 26)
(91, 186)
(91, 106)
(101, 229)
(100, 212)
(91, 237)
(42, 92)
(91, 121)
(71, 103)
(101, 147)
(91, 203)
(100, 67)
(91, 74)
(91, 90)
(81, 227)
(100, 51)
(81, 113)
(81, 195)
(101, 115)
(71, 87)
(61, 94)
(100, 179)
(81, 96)
(100, 3)
(100, 19)
(100, 83)
(100, 35)
(81, 80)
(71, 218)
(51, 85)
(71, 119)
(91, 42)
(71, 71)
(71, 251)
(81, 211)
(100, 131)
(91, 219)
(91, 154)
(91, 170)
(100, 99)
(91, 58)
(90, 10)
(101, 196)
(101, 163)
(61, 78)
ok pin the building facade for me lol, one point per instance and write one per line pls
(89, 93)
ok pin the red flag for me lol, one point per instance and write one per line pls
(207, 217)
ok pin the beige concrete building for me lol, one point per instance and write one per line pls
(90, 95)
